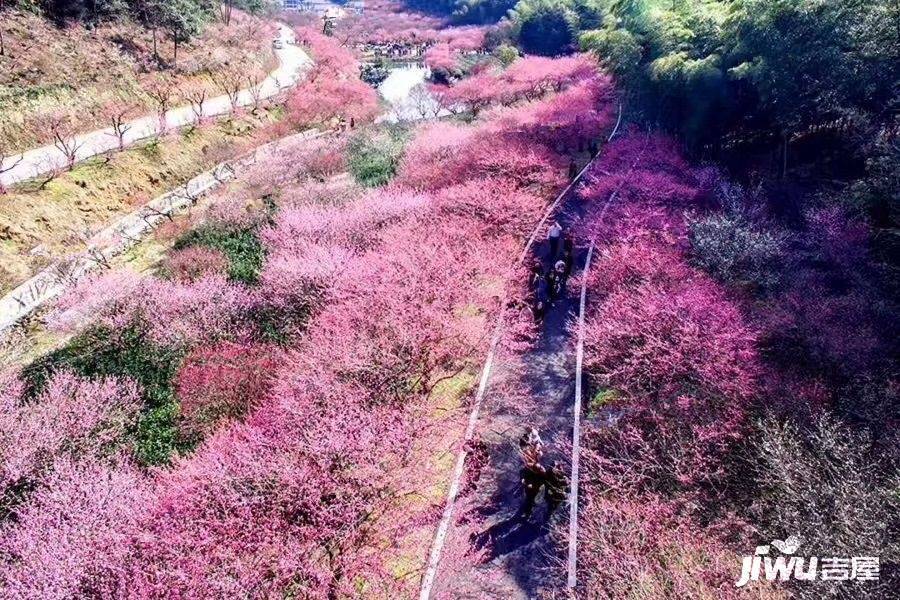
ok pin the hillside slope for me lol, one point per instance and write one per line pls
(81, 71)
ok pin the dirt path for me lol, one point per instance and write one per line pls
(520, 560)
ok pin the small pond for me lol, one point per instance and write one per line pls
(397, 91)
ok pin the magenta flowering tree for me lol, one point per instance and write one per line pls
(533, 76)
(72, 417)
(667, 340)
(332, 60)
(323, 100)
(469, 38)
(172, 312)
(440, 57)
(221, 382)
(446, 156)
(72, 538)
(288, 493)
(332, 89)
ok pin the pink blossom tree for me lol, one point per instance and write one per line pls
(173, 312)
(322, 101)
(441, 58)
(72, 538)
(221, 382)
(72, 417)
(119, 115)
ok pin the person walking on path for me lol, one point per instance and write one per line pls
(557, 487)
(553, 236)
(536, 274)
(541, 296)
(558, 277)
(532, 479)
(532, 473)
(531, 446)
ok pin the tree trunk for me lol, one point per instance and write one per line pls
(155, 54)
(175, 55)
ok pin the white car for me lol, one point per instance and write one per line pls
(277, 44)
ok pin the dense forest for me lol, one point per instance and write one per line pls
(785, 88)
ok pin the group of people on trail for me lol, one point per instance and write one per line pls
(548, 280)
(535, 476)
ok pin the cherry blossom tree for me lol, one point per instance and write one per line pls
(173, 312)
(441, 58)
(651, 543)
(119, 115)
(62, 131)
(332, 61)
(72, 417)
(72, 538)
(220, 382)
(325, 100)
(254, 88)
(468, 38)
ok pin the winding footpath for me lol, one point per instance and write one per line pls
(34, 163)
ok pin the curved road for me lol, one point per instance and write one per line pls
(33, 163)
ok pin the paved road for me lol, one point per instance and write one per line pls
(292, 60)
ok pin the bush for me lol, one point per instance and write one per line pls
(822, 483)
(156, 439)
(506, 54)
(241, 246)
(736, 252)
(373, 158)
(100, 352)
(221, 382)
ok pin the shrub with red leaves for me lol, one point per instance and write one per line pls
(221, 382)
(193, 262)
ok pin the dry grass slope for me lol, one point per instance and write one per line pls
(39, 225)
(81, 71)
